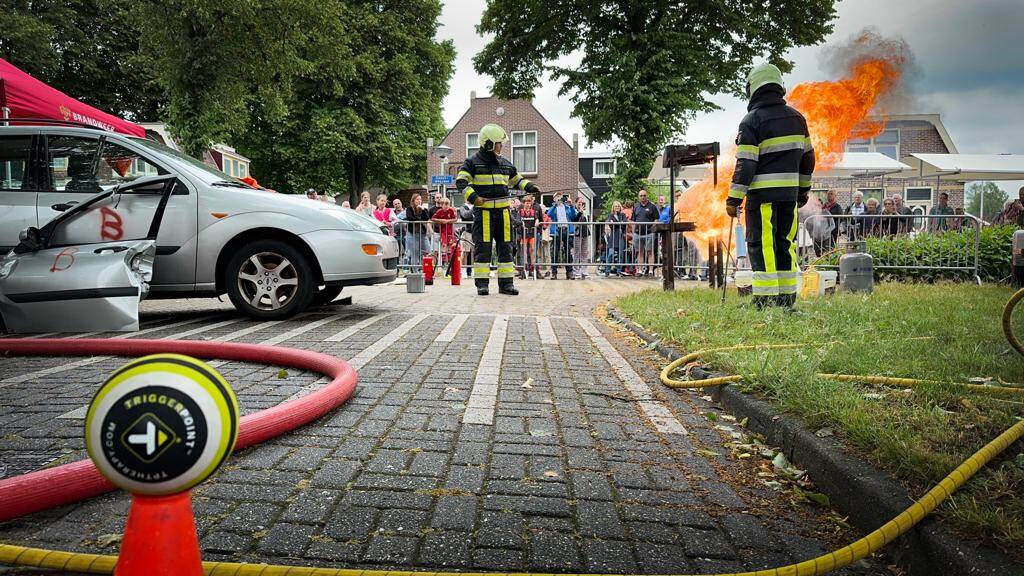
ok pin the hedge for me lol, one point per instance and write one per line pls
(994, 255)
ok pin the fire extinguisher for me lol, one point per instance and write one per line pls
(428, 270)
(456, 264)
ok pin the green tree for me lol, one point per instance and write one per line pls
(994, 198)
(222, 61)
(646, 67)
(334, 95)
(88, 49)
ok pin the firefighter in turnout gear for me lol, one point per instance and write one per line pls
(486, 178)
(774, 164)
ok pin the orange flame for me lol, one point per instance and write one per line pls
(835, 111)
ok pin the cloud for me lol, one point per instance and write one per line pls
(970, 68)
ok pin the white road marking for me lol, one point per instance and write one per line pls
(275, 339)
(449, 332)
(547, 333)
(363, 358)
(484, 395)
(95, 359)
(659, 414)
(80, 412)
(351, 330)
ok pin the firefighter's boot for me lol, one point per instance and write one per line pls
(506, 287)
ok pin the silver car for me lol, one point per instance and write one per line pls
(273, 254)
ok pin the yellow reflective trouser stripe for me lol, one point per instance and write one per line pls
(481, 270)
(486, 221)
(767, 240)
(507, 229)
(506, 270)
(792, 245)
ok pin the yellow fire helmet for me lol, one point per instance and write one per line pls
(763, 75)
(490, 135)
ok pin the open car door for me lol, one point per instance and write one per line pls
(50, 284)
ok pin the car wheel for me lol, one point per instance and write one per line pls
(326, 296)
(269, 280)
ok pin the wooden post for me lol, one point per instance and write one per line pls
(712, 266)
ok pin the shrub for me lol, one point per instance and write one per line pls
(994, 255)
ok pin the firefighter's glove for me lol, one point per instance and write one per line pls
(532, 188)
(732, 206)
(801, 199)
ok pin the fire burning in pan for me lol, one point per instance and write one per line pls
(836, 111)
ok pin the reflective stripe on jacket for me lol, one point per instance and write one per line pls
(489, 176)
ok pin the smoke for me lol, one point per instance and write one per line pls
(838, 60)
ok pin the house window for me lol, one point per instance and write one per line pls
(888, 143)
(918, 195)
(604, 168)
(229, 166)
(524, 151)
(472, 144)
(243, 170)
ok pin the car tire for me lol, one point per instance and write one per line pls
(327, 295)
(269, 280)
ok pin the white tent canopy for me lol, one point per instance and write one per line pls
(968, 167)
(865, 165)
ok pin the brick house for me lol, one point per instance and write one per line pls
(534, 146)
(904, 134)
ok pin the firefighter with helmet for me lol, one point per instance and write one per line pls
(774, 164)
(486, 178)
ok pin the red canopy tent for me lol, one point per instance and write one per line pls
(22, 96)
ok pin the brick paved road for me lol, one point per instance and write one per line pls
(587, 465)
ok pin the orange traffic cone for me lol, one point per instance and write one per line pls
(160, 538)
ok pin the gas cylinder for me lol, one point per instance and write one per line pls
(856, 268)
(428, 270)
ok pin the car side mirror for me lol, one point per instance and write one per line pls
(30, 239)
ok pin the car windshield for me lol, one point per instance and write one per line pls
(213, 175)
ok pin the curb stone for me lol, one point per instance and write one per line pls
(856, 488)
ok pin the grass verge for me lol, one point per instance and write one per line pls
(919, 435)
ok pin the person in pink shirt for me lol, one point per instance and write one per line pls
(384, 214)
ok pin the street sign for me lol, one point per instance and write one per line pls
(161, 424)
(442, 180)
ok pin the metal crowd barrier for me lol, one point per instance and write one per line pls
(950, 242)
(562, 250)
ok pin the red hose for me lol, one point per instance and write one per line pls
(69, 483)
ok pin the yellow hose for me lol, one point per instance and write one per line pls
(104, 564)
(98, 564)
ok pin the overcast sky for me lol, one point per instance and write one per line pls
(969, 58)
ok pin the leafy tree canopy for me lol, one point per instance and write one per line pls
(639, 71)
(88, 49)
(327, 95)
(994, 199)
